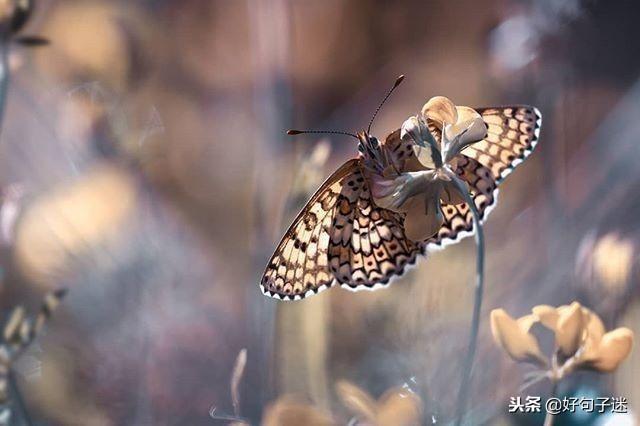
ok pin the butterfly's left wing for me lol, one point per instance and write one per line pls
(339, 237)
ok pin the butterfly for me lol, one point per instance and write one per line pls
(343, 237)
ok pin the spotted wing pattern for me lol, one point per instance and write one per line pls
(458, 219)
(341, 237)
(511, 136)
(399, 150)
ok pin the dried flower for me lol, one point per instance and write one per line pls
(397, 406)
(439, 133)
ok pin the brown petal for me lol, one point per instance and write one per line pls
(357, 400)
(450, 193)
(518, 343)
(440, 110)
(569, 329)
(614, 347)
(399, 406)
(424, 217)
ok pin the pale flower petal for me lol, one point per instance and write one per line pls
(614, 347)
(594, 332)
(527, 321)
(595, 327)
(410, 129)
(466, 113)
(463, 134)
(593, 336)
(516, 341)
(440, 110)
(357, 401)
(425, 156)
(399, 406)
(425, 146)
(570, 330)
(547, 315)
(394, 193)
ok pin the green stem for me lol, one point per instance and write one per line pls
(463, 393)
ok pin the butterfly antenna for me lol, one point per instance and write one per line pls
(396, 84)
(335, 132)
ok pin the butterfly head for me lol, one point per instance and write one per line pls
(366, 142)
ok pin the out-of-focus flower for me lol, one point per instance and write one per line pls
(581, 341)
(439, 133)
(582, 338)
(607, 260)
(513, 44)
(514, 337)
(90, 38)
(14, 14)
(397, 406)
(289, 410)
(65, 222)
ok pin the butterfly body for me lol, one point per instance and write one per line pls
(345, 236)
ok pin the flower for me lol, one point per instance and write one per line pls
(292, 410)
(438, 135)
(581, 340)
(514, 337)
(397, 406)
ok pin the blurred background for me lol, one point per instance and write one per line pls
(144, 166)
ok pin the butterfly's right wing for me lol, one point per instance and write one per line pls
(341, 237)
(512, 135)
(458, 219)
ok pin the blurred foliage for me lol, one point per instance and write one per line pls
(144, 166)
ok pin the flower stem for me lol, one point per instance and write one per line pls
(20, 404)
(463, 393)
(4, 74)
(550, 418)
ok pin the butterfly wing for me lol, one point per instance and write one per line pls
(512, 134)
(458, 219)
(341, 237)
